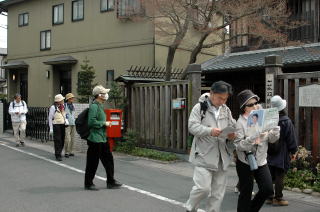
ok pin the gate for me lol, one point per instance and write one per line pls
(159, 125)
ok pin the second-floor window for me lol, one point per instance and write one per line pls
(106, 5)
(23, 19)
(45, 40)
(77, 10)
(57, 12)
(127, 8)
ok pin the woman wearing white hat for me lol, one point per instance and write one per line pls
(281, 152)
(57, 121)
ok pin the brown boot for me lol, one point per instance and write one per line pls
(280, 202)
(269, 201)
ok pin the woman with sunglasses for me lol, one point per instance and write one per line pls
(256, 144)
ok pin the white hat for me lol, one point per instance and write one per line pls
(58, 98)
(99, 89)
(69, 96)
(278, 102)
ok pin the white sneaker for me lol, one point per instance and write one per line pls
(236, 190)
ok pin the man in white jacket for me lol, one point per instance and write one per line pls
(18, 110)
(210, 151)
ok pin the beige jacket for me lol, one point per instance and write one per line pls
(244, 143)
(56, 117)
(207, 150)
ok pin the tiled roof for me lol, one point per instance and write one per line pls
(291, 56)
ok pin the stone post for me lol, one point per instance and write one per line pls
(273, 67)
(194, 77)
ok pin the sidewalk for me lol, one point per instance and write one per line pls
(182, 168)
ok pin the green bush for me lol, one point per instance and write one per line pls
(154, 154)
(85, 81)
(304, 172)
(129, 142)
(128, 146)
(300, 179)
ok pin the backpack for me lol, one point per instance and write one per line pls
(13, 104)
(82, 126)
(203, 107)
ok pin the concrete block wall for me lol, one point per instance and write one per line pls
(80, 145)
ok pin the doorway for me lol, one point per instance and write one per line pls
(64, 78)
(24, 86)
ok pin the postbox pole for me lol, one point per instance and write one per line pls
(111, 143)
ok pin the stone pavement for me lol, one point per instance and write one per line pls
(182, 168)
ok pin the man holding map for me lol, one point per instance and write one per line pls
(213, 129)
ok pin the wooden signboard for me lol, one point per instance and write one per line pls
(309, 96)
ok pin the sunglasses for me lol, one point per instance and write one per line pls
(252, 104)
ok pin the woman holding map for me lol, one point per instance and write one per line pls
(250, 141)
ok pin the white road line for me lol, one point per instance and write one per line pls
(147, 193)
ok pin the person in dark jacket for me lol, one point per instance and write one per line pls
(98, 147)
(280, 155)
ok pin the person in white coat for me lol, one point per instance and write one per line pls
(18, 110)
(210, 152)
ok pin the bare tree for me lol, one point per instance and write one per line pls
(172, 18)
(265, 21)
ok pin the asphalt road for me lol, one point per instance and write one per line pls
(31, 181)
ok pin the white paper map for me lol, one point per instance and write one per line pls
(262, 120)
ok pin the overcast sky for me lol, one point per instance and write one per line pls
(3, 32)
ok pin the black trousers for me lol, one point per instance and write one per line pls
(58, 138)
(263, 178)
(95, 152)
(277, 178)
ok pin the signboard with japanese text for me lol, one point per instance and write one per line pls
(309, 95)
(269, 88)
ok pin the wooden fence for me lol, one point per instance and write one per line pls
(301, 116)
(152, 116)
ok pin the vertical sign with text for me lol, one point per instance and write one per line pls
(269, 88)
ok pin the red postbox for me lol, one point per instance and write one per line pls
(114, 131)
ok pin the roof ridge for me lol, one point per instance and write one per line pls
(274, 49)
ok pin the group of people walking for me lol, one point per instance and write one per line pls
(211, 153)
(62, 125)
(61, 120)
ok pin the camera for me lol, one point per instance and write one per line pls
(252, 161)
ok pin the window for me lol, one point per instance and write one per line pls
(77, 10)
(23, 19)
(110, 76)
(57, 14)
(106, 5)
(128, 8)
(45, 40)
